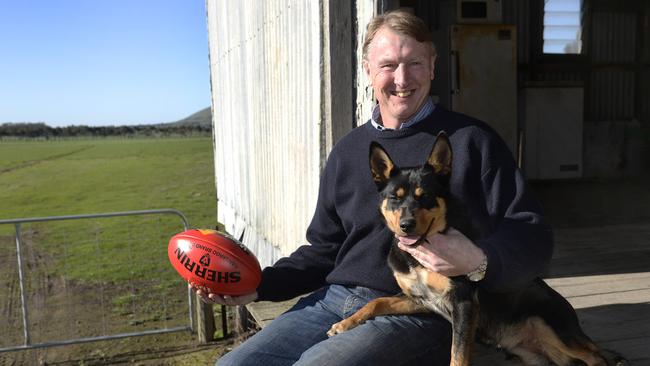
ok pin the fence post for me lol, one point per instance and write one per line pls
(242, 320)
(204, 321)
(23, 286)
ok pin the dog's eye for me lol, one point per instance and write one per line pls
(397, 194)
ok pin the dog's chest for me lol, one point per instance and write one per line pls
(427, 288)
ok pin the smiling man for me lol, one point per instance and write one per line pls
(400, 66)
(344, 265)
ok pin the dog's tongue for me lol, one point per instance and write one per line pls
(408, 240)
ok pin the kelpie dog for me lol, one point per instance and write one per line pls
(535, 323)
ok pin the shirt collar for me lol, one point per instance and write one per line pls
(421, 114)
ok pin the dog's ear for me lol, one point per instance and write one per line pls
(381, 166)
(440, 157)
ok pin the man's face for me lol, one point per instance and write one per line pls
(400, 70)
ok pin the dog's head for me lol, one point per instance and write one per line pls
(413, 200)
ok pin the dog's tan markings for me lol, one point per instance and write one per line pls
(440, 157)
(406, 281)
(433, 219)
(534, 337)
(392, 217)
(381, 166)
(377, 307)
(440, 216)
(463, 341)
(558, 352)
(418, 192)
(458, 358)
(400, 192)
(436, 281)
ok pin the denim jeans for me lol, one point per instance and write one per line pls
(299, 336)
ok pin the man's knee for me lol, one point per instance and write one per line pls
(225, 360)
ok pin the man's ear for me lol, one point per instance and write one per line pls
(381, 165)
(440, 156)
(433, 67)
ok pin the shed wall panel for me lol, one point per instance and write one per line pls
(613, 37)
(365, 11)
(266, 97)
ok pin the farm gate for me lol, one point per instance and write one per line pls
(84, 278)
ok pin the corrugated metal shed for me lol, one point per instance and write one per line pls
(279, 104)
(613, 38)
(612, 95)
(364, 12)
(266, 90)
(613, 43)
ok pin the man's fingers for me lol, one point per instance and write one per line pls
(209, 297)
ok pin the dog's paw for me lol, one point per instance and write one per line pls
(337, 328)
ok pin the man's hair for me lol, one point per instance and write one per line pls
(401, 22)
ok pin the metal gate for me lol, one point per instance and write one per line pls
(22, 271)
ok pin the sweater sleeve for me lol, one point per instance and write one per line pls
(306, 268)
(520, 244)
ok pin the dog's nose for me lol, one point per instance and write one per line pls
(407, 225)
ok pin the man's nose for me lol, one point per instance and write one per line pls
(401, 75)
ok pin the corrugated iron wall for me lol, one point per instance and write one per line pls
(611, 53)
(612, 89)
(266, 97)
(365, 11)
(613, 37)
(611, 95)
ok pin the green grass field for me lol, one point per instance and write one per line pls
(126, 256)
(43, 178)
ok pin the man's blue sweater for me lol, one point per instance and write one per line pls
(349, 243)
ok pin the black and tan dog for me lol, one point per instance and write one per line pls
(536, 323)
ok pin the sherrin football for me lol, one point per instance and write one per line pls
(215, 260)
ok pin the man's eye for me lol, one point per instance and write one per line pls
(387, 66)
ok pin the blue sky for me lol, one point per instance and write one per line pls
(102, 62)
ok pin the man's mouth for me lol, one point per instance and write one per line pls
(403, 93)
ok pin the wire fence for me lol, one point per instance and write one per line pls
(83, 278)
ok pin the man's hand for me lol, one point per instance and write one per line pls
(451, 254)
(210, 298)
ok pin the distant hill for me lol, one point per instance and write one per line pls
(202, 118)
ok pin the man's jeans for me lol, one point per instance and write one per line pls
(299, 336)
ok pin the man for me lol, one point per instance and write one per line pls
(345, 265)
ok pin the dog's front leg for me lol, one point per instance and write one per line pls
(376, 307)
(464, 323)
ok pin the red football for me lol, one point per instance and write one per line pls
(215, 260)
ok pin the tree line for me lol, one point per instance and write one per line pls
(42, 130)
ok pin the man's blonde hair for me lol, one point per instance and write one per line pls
(402, 23)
